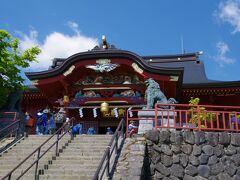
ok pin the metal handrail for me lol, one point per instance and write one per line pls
(11, 130)
(108, 153)
(12, 113)
(9, 126)
(38, 150)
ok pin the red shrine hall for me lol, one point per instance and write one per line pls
(97, 87)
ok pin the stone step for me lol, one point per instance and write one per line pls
(80, 151)
(42, 165)
(19, 157)
(23, 155)
(76, 142)
(75, 162)
(65, 177)
(73, 155)
(90, 148)
(90, 141)
(4, 172)
(92, 138)
(70, 171)
(77, 158)
(10, 166)
(73, 166)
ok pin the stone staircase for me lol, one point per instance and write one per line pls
(78, 158)
(13, 156)
(79, 161)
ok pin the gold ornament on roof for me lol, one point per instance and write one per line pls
(104, 107)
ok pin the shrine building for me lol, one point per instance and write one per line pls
(98, 86)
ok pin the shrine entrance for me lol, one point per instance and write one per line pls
(100, 122)
(84, 82)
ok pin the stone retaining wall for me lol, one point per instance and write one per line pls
(132, 159)
(193, 155)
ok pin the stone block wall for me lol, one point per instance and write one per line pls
(131, 162)
(193, 155)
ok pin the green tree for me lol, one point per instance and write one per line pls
(11, 63)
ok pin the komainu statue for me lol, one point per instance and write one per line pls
(153, 95)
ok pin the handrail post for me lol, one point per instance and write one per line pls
(122, 130)
(9, 177)
(57, 144)
(36, 168)
(198, 116)
(108, 161)
(116, 143)
(16, 132)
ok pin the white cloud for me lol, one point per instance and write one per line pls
(229, 12)
(74, 27)
(221, 58)
(56, 45)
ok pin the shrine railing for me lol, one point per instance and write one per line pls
(184, 116)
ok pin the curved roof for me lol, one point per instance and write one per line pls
(194, 71)
(61, 65)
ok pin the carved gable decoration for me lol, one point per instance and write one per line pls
(103, 65)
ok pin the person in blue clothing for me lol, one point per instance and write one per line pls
(109, 131)
(51, 125)
(77, 129)
(91, 131)
(132, 128)
(39, 126)
(45, 117)
(234, 121)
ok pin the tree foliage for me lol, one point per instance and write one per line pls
(11, 62)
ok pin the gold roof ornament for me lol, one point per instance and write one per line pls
(104, 42)
(65, 99)
(104, 107)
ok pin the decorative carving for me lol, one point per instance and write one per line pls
(89, 94)
(104, 45)
(137, 68)
(103, 65)
(69, 71)
(98, 80)
(88, 80)
(78, 95)
(153, 94)
(136, 80)
(127, 80)
(128, 93)
(109, 79)
(104, 42)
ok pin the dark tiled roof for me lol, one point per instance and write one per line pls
(56, 62)
(194, 71)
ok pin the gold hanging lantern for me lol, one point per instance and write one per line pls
(104, 107)
(65, 99)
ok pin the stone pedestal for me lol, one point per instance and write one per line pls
(146, 122)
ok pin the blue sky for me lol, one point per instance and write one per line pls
(61, 28)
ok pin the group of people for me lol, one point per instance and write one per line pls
(47, 122)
